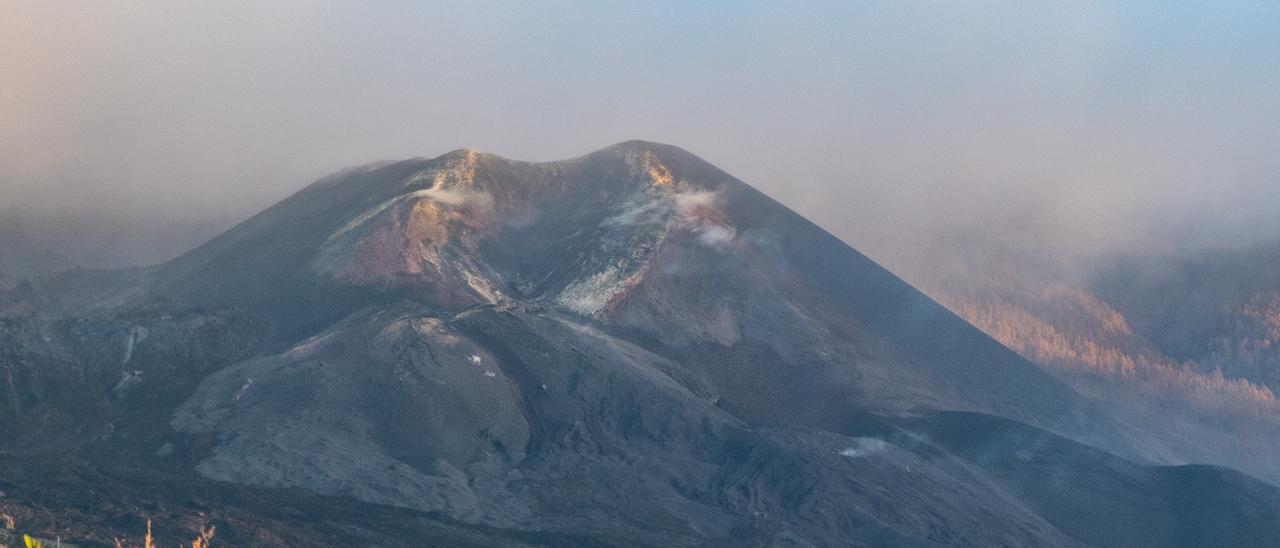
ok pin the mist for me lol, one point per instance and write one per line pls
(130, 132)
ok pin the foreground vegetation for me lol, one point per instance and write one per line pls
(9, 538)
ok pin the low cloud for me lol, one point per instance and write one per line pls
(862, 447)
(700, 213)
(715, 235)
(689, 201)
(1079, 131)
(455, 196)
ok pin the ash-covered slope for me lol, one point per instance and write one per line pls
(644, 240)
(627, 348)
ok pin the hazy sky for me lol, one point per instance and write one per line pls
(1075, 124)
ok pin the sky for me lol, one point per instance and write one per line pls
(130, 131)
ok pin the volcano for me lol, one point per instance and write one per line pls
(631, 347)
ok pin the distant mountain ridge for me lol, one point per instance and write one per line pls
(1190, 335)
(21, 255)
